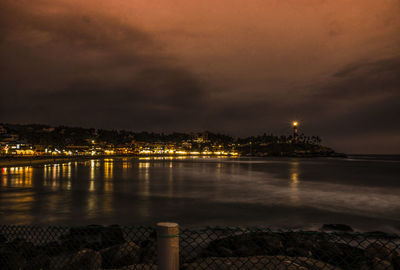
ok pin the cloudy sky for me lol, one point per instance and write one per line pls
(240, 67)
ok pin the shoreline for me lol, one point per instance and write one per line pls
(29, 161)
(41, 160)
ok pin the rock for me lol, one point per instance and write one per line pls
(121, 255)
(86, 259)
(250, 244)
(258, 263)
(60, 261)
(139, 267)
(93, 237)
(341, 255)
(11, 260)
(378, 264)
(302, 244)
(148, 251)
(337, 227)
(112, 235)
(224, 252)
(293, 244)
(39, 262)
(297, 251)
(21, 246)
(382, 235)
(381, 251)
(51, 249)
(3, 239)
(396, 262)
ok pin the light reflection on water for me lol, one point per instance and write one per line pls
(201, 190)
(294, 181)
(18, 177)
(144, 177)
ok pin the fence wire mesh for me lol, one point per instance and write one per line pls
(121, 247)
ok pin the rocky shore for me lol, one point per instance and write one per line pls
(115, 247)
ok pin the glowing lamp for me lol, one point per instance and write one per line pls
(295, 124)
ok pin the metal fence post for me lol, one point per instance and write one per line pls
(167, 246)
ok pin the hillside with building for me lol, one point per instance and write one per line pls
(44, 140)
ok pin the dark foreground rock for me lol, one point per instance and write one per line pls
(3, 239)
(382, 235)
(238, 250)
(396, 262)
(16, 254)
(138, 267)
(41, 261)
(381, 251)
(121, 255)
(94, 237)
(318, 246)
(86, 259)
(11, 260)
(148, 251)
(259, 263)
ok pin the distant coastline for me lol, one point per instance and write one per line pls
(69, 142)
(30, 161)
(41, 160)
(10, 161)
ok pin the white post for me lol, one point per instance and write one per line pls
(167, 246)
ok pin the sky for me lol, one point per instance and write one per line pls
(242, 67)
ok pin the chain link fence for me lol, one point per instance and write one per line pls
(119, 247)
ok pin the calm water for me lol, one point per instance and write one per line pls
(364, 193)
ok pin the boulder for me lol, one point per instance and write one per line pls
(381, 251)
(23, 247)
(86, 259)
(341, 255)
(121, 255)
(93, 237)
(112, 235)
(148, 251)
(396, 262)
(250, 244)
(224, 252)
(11, 259)
(303, 244)
(58, 262)
(39, 262)
(51, 249)
(3, 239)
(382, 235)
(298, 251)
(258, 263)
(294, 244)
(139, 267)
(378, 264)
(337, 227)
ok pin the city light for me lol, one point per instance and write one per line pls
(197, 145)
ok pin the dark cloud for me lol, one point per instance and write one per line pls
(360, 99)
(363, 79)
(62, 64)
(74, 69)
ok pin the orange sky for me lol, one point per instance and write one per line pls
(240, 55)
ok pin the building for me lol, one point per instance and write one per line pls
(295, 132)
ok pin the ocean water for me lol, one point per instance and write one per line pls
(362, 191)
